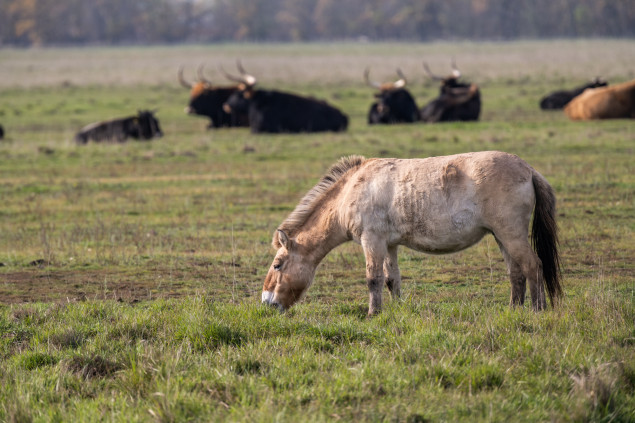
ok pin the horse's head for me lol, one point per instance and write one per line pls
(290, 274)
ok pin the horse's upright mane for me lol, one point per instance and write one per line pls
(306, 206)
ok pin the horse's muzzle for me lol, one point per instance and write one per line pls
(267, 298)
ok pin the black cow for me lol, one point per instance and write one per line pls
(207, 100)
(143, 126)
(456, 101)
(275, 111)
(394, 103)
(558, 99)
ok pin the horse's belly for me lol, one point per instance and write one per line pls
(443, 233)
(443, 243)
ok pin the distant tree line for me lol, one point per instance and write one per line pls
(59, 22)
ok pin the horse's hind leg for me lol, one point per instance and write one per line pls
(375, 252)
(516, 278)
(391, 272)
(523, 256)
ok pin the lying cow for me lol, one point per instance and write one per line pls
(206, 99)
(394, 103)
(275, 111)
(143, 126)
(612, 102)
(558, 99)
(456, 101)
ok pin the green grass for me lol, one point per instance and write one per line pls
(458, 359)
(132, 273)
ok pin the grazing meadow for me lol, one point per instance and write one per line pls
(131, 274)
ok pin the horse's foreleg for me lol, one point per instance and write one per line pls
(516, 278)
(375, 253)
(392, 274)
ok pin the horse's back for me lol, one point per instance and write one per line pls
(437, 204)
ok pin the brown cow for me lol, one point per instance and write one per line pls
(612, 102)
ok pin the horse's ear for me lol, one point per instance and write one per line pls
(284, 240)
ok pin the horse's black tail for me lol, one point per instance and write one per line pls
(544, 236)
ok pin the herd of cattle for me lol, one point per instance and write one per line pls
(275, 111)
(272, 111)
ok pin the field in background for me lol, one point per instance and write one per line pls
(174, 235)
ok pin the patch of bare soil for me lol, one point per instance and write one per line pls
(46, 285)
(53, 286)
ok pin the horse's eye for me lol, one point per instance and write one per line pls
(277, 266)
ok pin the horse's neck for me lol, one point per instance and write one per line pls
(321, 233)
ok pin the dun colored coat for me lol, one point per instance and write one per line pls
(436, 205)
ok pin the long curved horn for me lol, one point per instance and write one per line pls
(249, 79)
(433, 76)
(456, 73)
(181, 80)
(201, 77)
(240, 68)
(368, 81)
(400, 83)
(244, 77)
(230, 76)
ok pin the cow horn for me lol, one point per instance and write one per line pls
(400, 83)
(456, 73)
(240, 68)
(201, 77)
(249, 79)
(244, 77)
(433, 76)
(229, 76)
(183, 81)
(368, 81)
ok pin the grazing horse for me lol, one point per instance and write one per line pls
(436, 205)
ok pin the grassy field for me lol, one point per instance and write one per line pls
(131, 273)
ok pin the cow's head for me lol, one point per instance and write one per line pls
(448, 82)
(386, 95)
(456, 101)
(201, 93)
(148, 124)
(238, 102)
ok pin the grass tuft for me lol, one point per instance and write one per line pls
(92, 367)
(35, 360)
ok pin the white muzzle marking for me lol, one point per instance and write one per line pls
(267, 297)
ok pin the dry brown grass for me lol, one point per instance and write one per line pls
(338, 63)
